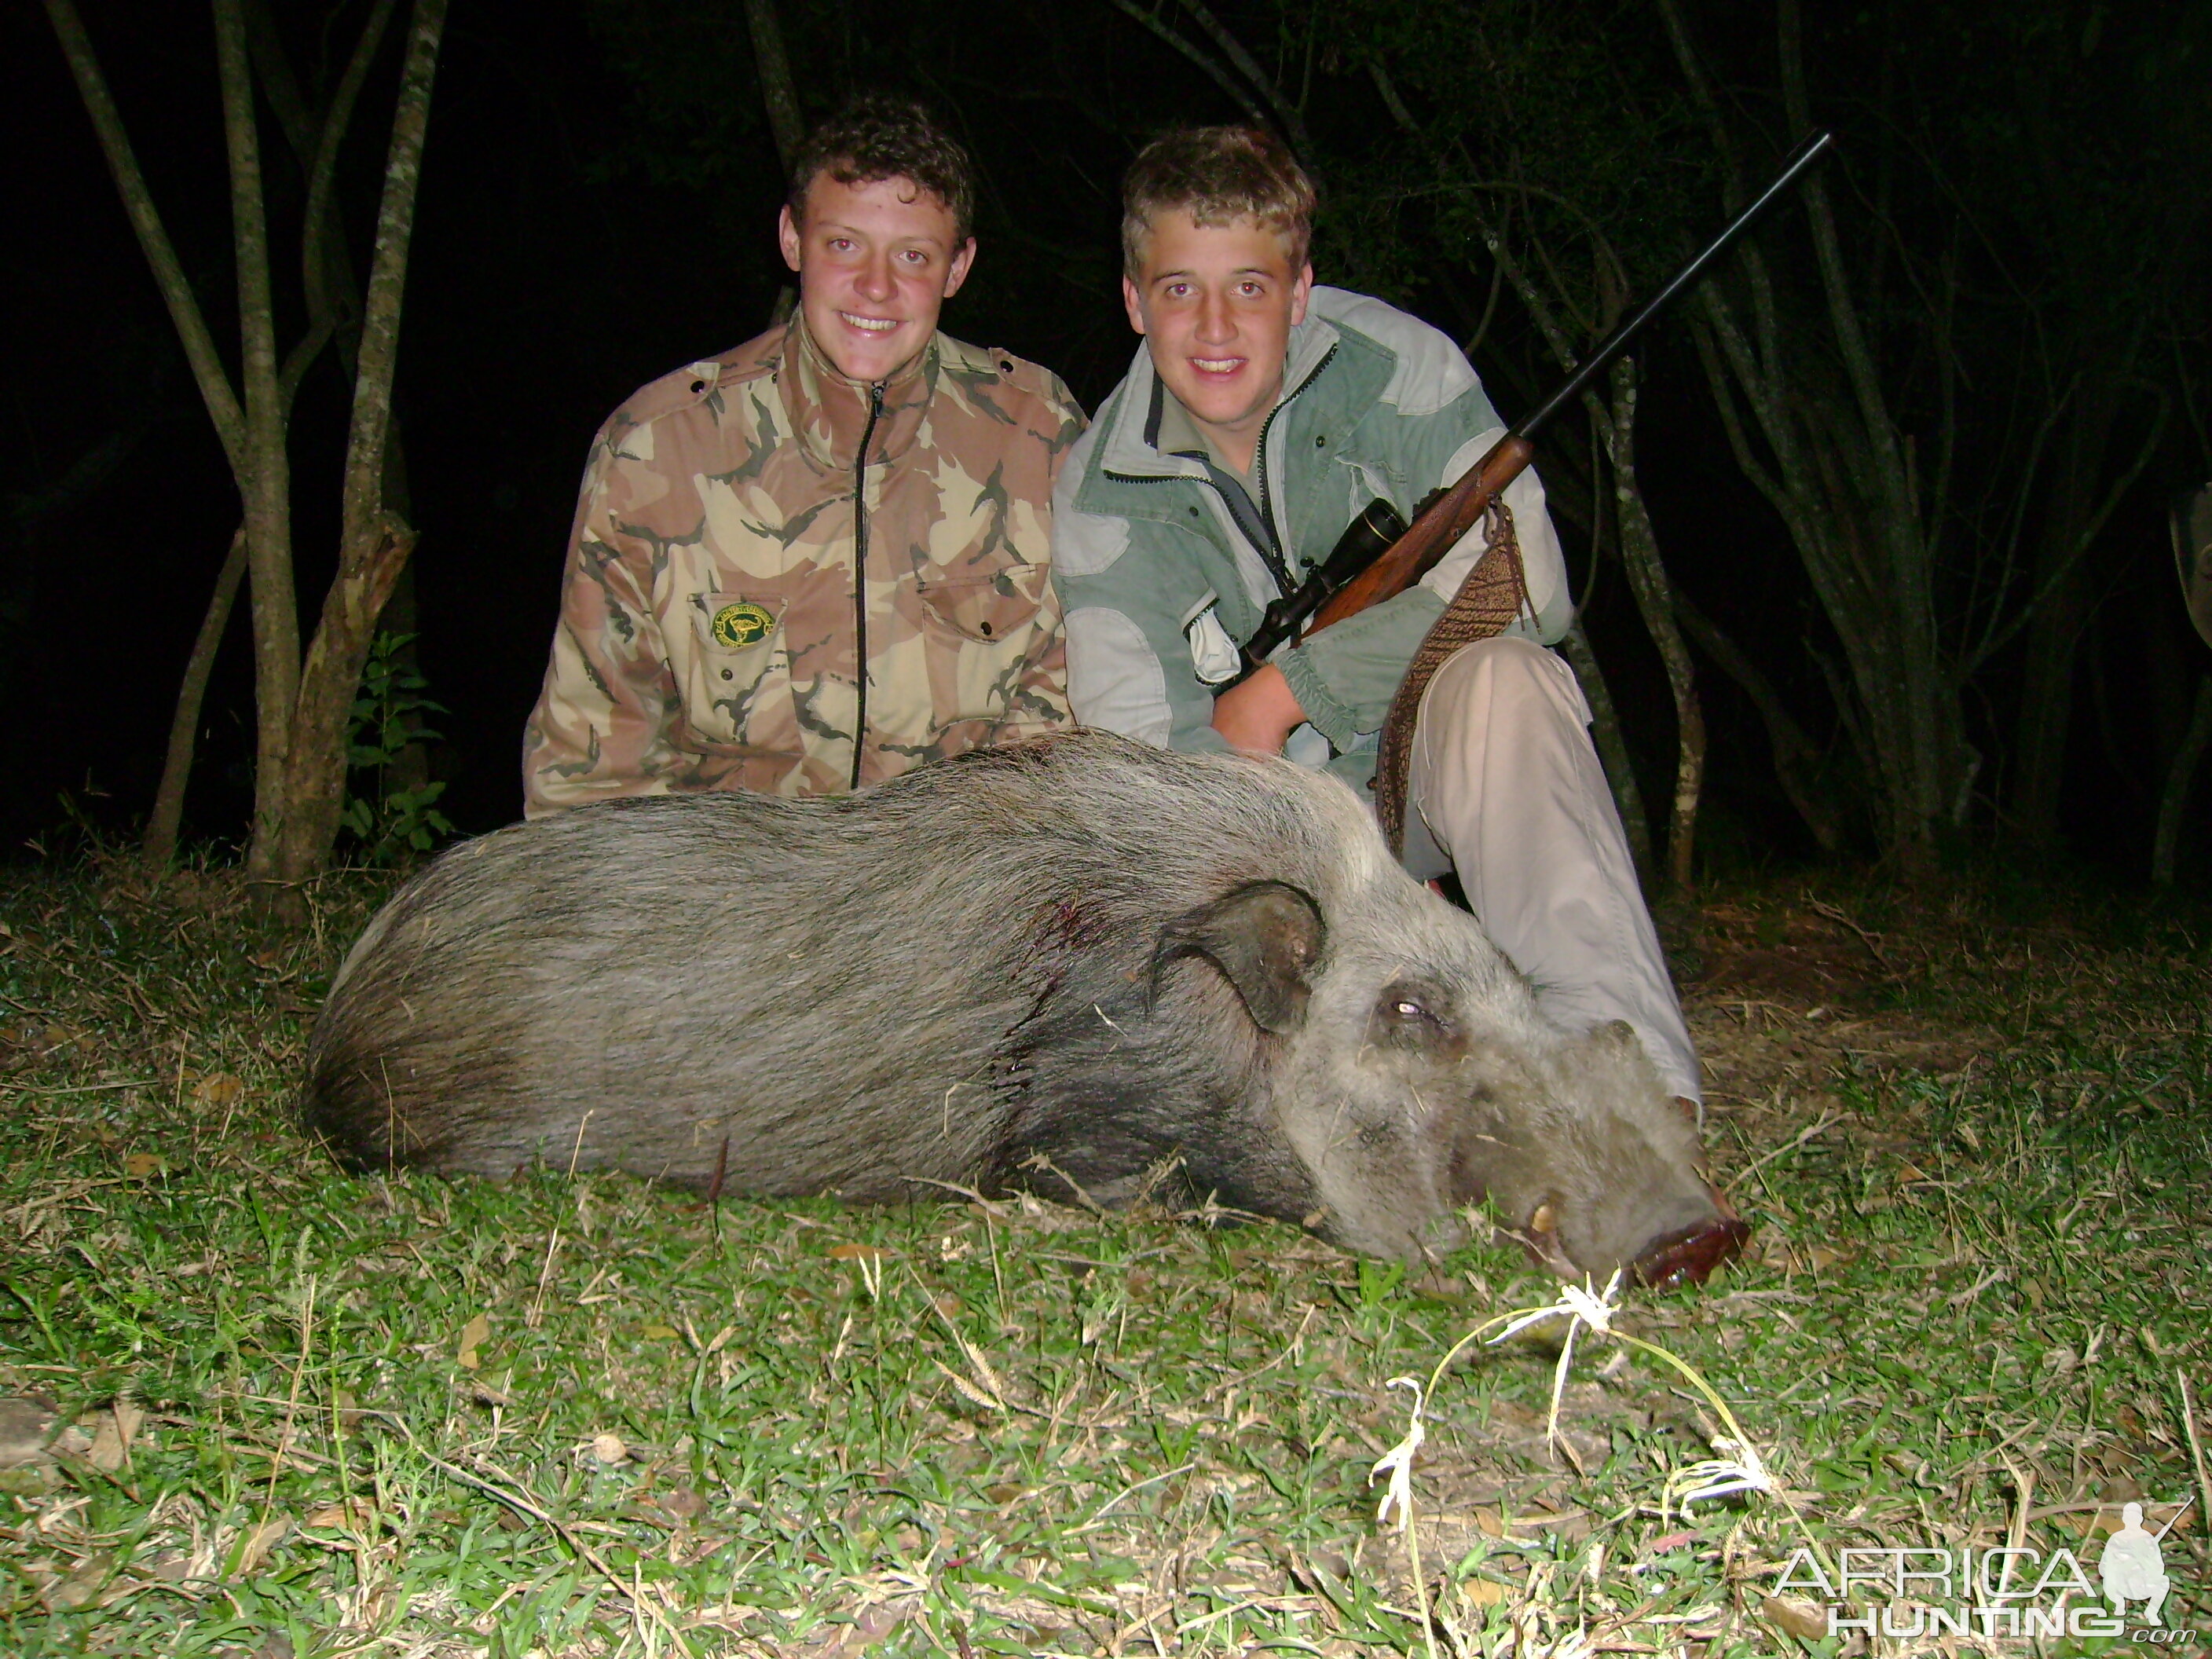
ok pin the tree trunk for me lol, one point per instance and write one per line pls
(1795, 753)
(266, 479)
(778, 91)
(332, 291)
(1612, 749)
(373, 543)
(159, 844)
(1655, 601)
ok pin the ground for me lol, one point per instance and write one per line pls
(251, 1405)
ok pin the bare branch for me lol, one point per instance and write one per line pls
(1286, 113)
(214, 380)
(159, 842)
(2084, 540)
(1214, 71)
(319, 259)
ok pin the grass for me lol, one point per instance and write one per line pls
(294, 1412)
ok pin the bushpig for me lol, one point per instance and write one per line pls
(1062, 964)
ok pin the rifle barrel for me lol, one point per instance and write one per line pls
(1617, 342)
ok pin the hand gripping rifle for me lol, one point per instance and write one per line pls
(1379, 556)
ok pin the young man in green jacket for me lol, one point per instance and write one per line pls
(1261, 415)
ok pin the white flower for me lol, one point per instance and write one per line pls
(1398, 1463)
(1741, 1471)
(1581, 1304)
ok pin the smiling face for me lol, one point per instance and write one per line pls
(1216, 305)
(876, 262)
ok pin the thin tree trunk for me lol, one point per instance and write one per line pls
(1612, 749)
(2046, 697)
(158, 843)
(374, 543)
(778, 91)
(332, 290)
(2173, 803)
(1655, 600)
(267, 481)
(1795, 753)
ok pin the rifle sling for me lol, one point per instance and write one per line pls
(1495, 592)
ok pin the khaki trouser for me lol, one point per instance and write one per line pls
(1506, 791)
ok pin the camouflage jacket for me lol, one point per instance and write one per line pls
(715, 631)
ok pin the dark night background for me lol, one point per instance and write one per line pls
(598, 207)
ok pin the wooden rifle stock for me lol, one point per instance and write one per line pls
(1433, 533)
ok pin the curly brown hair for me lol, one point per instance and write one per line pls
(1218, 175)
(874, 137)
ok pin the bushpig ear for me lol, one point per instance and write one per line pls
(1265, 938)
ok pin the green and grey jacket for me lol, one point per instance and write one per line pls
(1163, 571)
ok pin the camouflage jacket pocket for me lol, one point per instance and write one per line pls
(736, 653)
(987, 609)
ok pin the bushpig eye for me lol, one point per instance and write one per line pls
(1407, 1017)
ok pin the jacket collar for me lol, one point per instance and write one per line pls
(829, 411)
(1130, 446)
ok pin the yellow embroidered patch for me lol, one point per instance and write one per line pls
(744, 623)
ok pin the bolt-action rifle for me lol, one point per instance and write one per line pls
(1380, 555)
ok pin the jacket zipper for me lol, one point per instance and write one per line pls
(1260, 471)
(860, 580)
(1259, 455)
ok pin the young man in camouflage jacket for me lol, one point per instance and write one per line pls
(1262, 415)
(819, 560)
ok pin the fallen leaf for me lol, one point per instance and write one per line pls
(259, 1541)
(218, 1089)
(1795, 1618)
(869, 1626)
(681, 1502)
(474, 1335)
(112, 1433)
(81, 1586)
